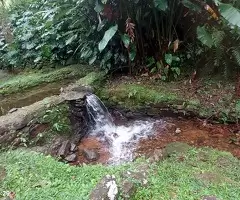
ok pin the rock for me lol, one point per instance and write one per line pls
(16, 142)
(12, 110)
(56, 144)
(175, 147)
(73, 147)
(212, 178)
(156, 156)
(64, 149)
(128, 189)
(91, 155)
(209, 198)
(106, 189)
(71, 158)
(178, 131)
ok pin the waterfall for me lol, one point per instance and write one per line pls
(121, 139)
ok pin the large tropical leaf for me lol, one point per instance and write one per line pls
(204, 36)
(231, 14)
(107, 37)
(161, 4)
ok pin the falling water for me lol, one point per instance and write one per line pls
(120, 139)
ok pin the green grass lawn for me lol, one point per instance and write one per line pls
(191, 176)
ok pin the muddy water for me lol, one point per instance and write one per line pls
(194, 132)
(31, 96)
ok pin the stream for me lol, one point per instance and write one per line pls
(118, 139)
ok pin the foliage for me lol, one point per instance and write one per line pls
(58, 119)
(115, 34)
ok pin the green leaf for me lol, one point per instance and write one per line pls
(168, 58)
(98, 7)
(107, 37)
(71, 39)
(177, 70)
(204, 36)
(132, 53)
(161, 4)
(230, 13)
(92, 60)
(191, 5)
(126, 40)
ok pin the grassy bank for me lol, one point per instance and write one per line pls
(26, 80)
(206, 98)
(191, 175)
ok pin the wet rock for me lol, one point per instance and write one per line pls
(209, 198)
(71, 158)
(12, 110)
(56, 144)
(73, 147)
(64, 149)
(175, 147)
(91, 155)
(128, 189)
(106, 189)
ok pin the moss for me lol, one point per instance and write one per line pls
(92, 79)
(25, 80)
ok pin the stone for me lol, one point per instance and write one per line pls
(178, 131)
(106, 189)
(91, 155)
(175, 147)
(209, 198)
(55, 146)
(73, 147)
(128, 189)
(64, 149)
(71, 157)
(12, 110)
(156, 156)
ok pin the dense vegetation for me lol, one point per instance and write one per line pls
(159, 37)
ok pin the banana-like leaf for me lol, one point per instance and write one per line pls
(204, 36)
(230, 13)
(161, 4)
(107, 37)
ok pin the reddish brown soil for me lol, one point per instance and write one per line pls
(92, 143)
(195, 133)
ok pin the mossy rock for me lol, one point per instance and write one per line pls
(175, 148)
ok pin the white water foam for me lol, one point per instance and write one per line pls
(120, 139)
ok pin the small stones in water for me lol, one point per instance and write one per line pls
(178, 131)
(91, 155)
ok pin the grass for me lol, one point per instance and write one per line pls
(179, 177)
(28, 80)
(136, 95)
(35, 176)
